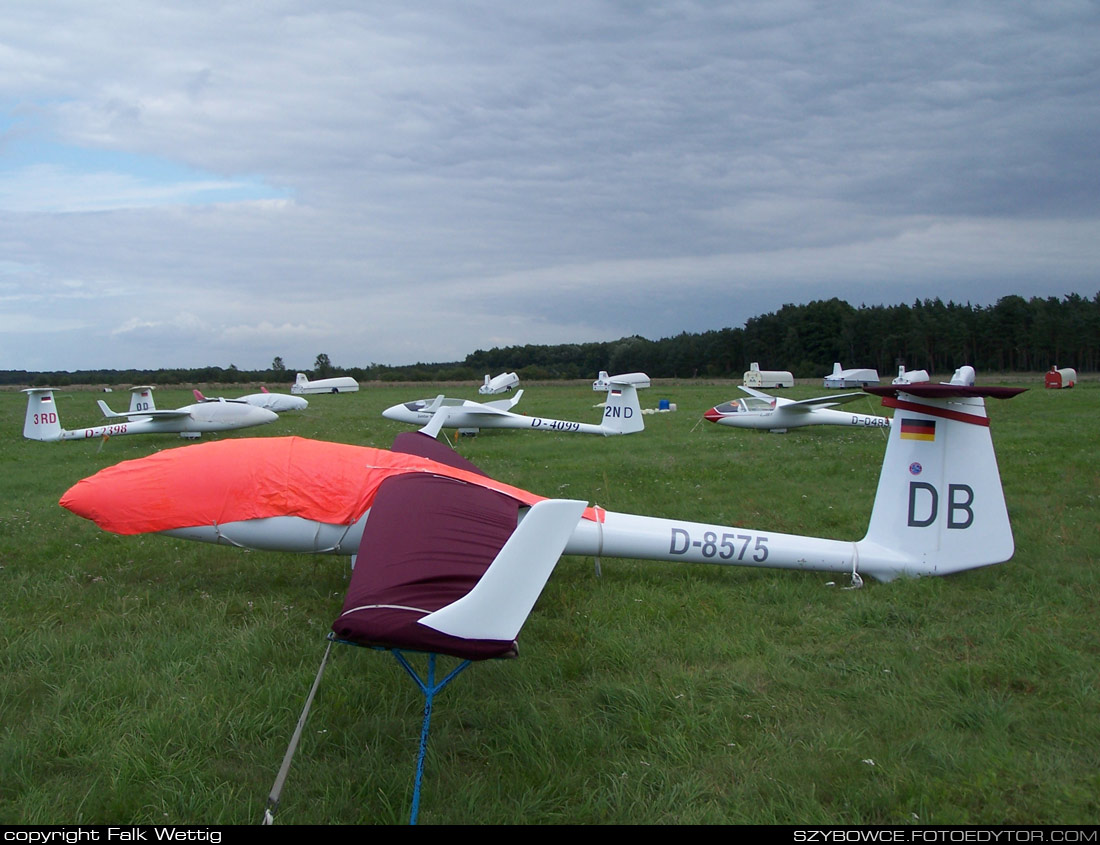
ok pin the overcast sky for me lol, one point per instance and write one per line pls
(203, 183)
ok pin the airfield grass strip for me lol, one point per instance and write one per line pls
(151, 680)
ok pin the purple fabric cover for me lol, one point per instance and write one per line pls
(424, 446)
(427, 541)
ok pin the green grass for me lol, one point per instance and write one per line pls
(151, 680)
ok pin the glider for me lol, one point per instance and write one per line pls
(622, 413)
(44, 423)
(277, 402)
(763, 411)
(450, 560)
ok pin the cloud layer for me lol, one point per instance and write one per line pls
(192, 184)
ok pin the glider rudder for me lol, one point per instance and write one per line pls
(622, 413)
(42, 421)
(939, 507)
(141, 399)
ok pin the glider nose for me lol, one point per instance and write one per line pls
(264, 416)
(712, 415)
(391, 413)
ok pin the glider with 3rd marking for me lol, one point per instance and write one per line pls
(43, 421)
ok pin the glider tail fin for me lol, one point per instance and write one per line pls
(42, 421)
(622, 414)
(939, 507)
(141, 399)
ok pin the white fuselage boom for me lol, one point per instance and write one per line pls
(617, 535)
(199, 418)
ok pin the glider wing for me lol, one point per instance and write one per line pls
(821, 402)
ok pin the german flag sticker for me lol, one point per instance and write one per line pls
(918, 429)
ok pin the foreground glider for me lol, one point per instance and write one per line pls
(44, 423)
(450, 560)
(277, 402)
(763, 411)
(622, 413)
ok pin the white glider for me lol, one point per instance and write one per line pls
(44, 423)
(771, 413)
(277, 402)
(622, 413)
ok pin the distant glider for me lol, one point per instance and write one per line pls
(44, 423)
(621, 415)
(771, 413)
(277, 402)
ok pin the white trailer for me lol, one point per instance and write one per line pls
(340, 384)
(853, 377)
(756, 377)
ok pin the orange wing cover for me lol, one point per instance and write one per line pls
(250, 478)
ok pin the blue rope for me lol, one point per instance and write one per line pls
(429, 688)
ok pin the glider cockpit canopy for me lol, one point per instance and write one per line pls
(748, 405)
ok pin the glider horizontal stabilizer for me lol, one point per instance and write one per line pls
(500, 602)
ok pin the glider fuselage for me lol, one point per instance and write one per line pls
(463, 413)
(277, 402)
(43, 422)
(772, 413)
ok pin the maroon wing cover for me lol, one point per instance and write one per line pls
(427, 541)
(425, 446)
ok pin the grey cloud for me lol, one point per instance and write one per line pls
(494, 170)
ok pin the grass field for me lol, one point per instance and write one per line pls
(151, 680)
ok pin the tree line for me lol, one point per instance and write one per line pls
(1015, 334)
